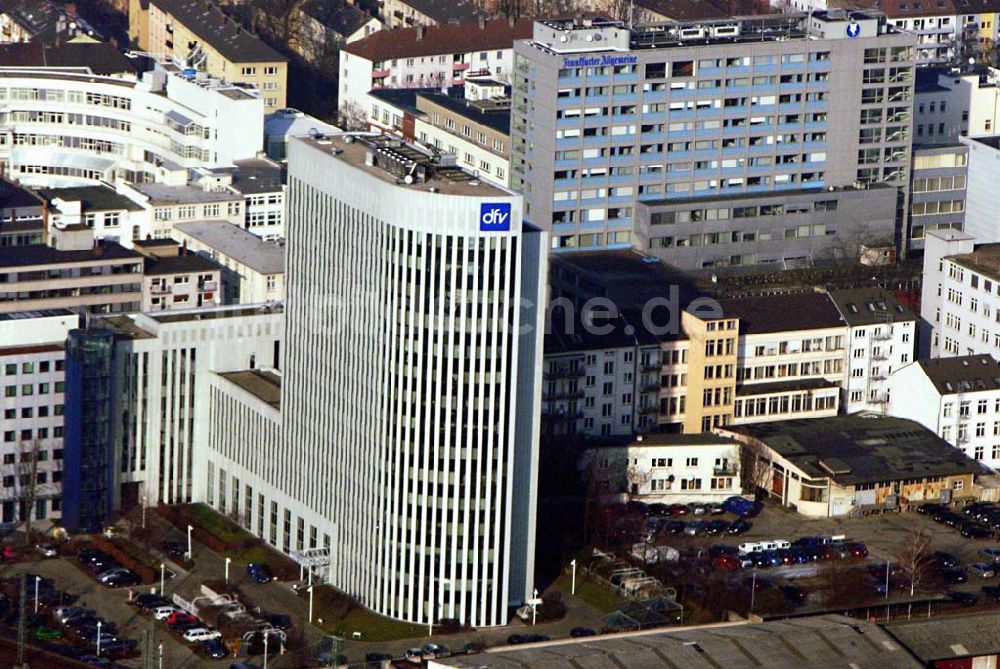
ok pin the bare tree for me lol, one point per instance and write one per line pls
(755, 468)
(914, 556)
(351, 116)
(280, 20)
(26, 482)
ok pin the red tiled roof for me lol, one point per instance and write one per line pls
(462, 38)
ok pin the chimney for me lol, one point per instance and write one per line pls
(421, 29)
(482, 22)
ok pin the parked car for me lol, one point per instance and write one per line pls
(942, 559)
(715, 508)
(579, 632)
(694, 528)
(47, 634)
(47, 550)
(982, 570)
(674, 526)
(727, 562)
(659, 509)
(991, 591)
(164, 612)
(976, 531)
(739, 526)
(215, 649)
(259, 572)
(433, 651)
(638, 507)
(697, 509)
(716, 527)
(279, 620)
(175, 548)
(954, 575)
(196, 634)
(857, 549)
(963, 598)
(794, 594)
(122, 579)
(991, 554)
(378, 657)
(8, 553)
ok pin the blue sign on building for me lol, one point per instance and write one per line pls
(494, 217)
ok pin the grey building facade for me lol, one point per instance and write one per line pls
(937, 190)
(611, 126)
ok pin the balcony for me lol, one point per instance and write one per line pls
(570, 372)
(459, 67)
(160, 289)
(562, 395)
(726, 470)
(648, 409)
(380, 74)
(208, 285)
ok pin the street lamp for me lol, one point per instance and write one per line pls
(266, 636)
(161, 656)
(98, 638)
(38, 580)
(753, 590)
(228, 560)
(144, 503)
(163, 576)
(573, 586)
(310, 591)
(190, 553)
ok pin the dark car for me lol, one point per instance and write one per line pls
(578, 632)
(857, 549)
(991, 591)
(517, 639)
(215, 649)
(679, 510)
(739, 526)
(122, 580)
(963, 598)
(175, 548)
(721, 549)
(929, 509)
(727, 562)
(942, 559)
(638, 507)
(378, 657)
(799, 554)
(674, 526)
(954, 575)
(149, 602)
(716, 527)
(259, 572)
(659, 509)
(976, 531)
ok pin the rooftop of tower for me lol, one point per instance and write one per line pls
(404, 164)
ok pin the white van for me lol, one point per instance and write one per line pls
(200, 634)
(750, 547)
(163, 612)
(781, 543)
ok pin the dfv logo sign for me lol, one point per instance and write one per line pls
(494, 217)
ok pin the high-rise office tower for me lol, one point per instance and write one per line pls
(742, 142)
(410, 393)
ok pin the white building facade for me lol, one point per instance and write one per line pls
(63, 129)
(32, 356)
(957, 398)
(410, 401)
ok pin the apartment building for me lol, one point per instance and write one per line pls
(426, 57)
(261, 183)
(721, 120)
(733, 361)
(96, 277)
(957, 398)
(664, 468)
(982, 220)
(475, 129)
(407, 13)
(32, 356)
(955, 102)
(938, 189)
(198, 35)
(43, 21)
(22, 215)
(961, 282)
(253, 270)
(109, 214)
(174, 280)
(174, 205)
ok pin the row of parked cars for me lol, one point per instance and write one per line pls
(979, 520)
(189, 627)
(107, 569)
(738, 506)
(764, 554)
